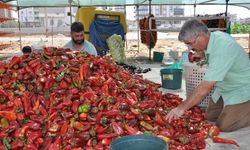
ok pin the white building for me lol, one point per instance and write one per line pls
(162, 11)
(46, 16)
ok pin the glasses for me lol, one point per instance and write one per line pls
(191, 44)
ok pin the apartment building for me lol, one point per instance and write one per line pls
(161, 11)
(46, 16)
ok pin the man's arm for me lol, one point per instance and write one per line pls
(196, 97)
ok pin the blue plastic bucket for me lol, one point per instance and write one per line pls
(138, 142)
(171, 78)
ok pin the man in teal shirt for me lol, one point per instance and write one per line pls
(77, 40)
(228, 72)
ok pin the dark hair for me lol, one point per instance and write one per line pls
(77, 27)
(26, 49)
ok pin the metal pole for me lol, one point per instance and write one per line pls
(52, 30)
(194, 9)
(138, 28)
(226, 20)
(19, 26)
(125, 38)
(226, 8)
(249, 45)
(46, 21)
(150, 31)
(70, 9)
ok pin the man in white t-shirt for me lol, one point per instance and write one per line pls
(77, 42)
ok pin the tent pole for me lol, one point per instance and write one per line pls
(150, 31)
(226, 19)
(138, 27)
(52, 31)
(70, 9)
(226, 8)
(125, 37)
(194, 9)
(19, 26)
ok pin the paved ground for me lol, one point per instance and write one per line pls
(242, 136)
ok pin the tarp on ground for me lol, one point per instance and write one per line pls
(65, 3)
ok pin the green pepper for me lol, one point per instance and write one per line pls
(60, 76)
(146, 125)
(6, 143)
(84, 108)
(4, 123)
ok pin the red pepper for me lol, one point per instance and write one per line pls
(100, 129)
(28, 69)
(90, 95)
(217, 139)
(110, 135)
(132, 99)
(43, 110)
(73, 91)
(111, 113)
(3, 93)
(20, 133)
(56, 144)
(48, 83)
(106, 141)
(130, 130)
(30, 147)
(37, 104)
(7, 85)
(15, 60)
(83, 116)
(63, 84)
(159, 120)
(33, 63)
(147, 104)
(213, 131)
(32, 135)
(10, 115)
(74, 69)
(54, 127)
(17, 144)
(20, 116)
(98, 117)
(105, 90)
(38, 118)
(27, 105)
(79, 126)
(53, 116)
(48, 51)
(64, 128)
(117, 128)
(75, 106)
(39, 141)
(81, 73)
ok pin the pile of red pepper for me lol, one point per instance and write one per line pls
(59, 99)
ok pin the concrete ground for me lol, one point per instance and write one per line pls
(241, 136)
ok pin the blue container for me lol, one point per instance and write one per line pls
(158, 56)
(171, 78)
(138, 142)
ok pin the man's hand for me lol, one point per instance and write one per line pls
(175, 114)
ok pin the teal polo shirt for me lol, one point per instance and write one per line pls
(229, 66)
(87, 47)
